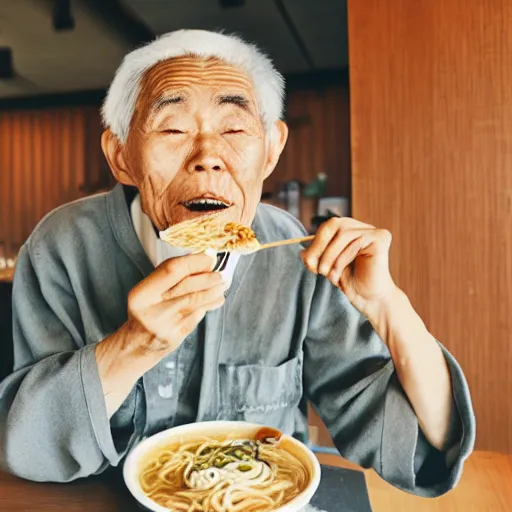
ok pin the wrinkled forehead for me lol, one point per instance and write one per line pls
(182, 73)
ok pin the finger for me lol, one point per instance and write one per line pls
(190, 322)
(376, 241)
(335, 247)
(348, 255)
(351, 223)
(187, 304)
(369, 243)
(192, 284)
(164, 316)
(326, 232)
(168, 274)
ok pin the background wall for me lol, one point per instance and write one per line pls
(431, 121)
(47, 158)
(318, 117)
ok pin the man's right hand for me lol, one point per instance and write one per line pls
(174, 298)
(163, 309)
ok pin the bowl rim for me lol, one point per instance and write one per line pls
(147, 443)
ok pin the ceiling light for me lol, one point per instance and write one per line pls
(227, 4)
(62, 17)
(6, 65)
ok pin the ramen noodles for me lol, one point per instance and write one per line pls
(224, 475)
(211, 232)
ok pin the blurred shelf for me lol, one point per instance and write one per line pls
(6, 275)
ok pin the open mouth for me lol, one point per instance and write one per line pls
(206, 204)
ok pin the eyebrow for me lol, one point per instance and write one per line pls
(234, 99)
(164, 101)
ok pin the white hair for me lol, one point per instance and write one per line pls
(122, 94)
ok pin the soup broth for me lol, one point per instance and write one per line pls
(224, 474)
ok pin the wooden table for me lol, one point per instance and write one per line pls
(485, 486)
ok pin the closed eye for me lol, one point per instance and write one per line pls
(230, 132)
(173, 131)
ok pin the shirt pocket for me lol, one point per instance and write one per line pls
(267, 395)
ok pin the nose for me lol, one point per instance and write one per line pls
(206, 157)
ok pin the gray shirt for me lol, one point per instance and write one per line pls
(283, 336)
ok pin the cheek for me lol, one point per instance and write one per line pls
(249, 173)
(249, 159)
(161, 162)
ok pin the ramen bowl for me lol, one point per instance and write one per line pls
(142, 454)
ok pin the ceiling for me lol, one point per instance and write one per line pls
(319, 24)
(51, 62)
(300, 35)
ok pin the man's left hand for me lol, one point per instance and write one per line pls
(355, 258)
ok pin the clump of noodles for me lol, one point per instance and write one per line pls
(213, 475)
(211, 232)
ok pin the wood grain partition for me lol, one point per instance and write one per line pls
(431, 122)
(319, 140)
(47, 158)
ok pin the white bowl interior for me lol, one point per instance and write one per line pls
(140, 455)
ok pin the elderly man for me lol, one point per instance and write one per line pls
(118, 336)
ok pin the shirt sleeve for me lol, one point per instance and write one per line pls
(351, 382)
(53, 419)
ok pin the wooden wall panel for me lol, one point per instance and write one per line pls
(6, 179)
(431, 122)
(43, 164)
(319, 140)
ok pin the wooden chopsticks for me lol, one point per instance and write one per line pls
(289, 241)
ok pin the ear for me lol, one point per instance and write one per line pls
(279, 136)
(113, 152)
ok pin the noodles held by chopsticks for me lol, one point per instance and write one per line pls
(211, 232)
